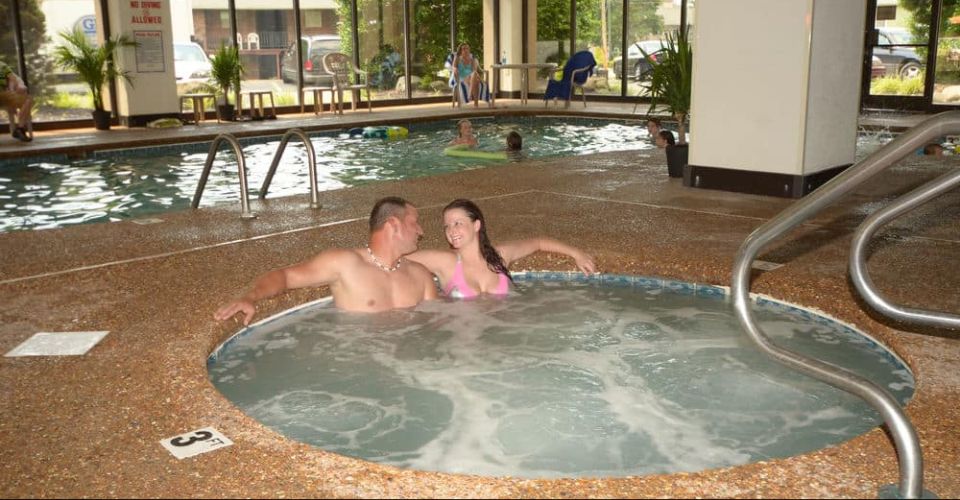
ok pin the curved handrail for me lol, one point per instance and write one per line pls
(858, 254)
(904, 435)
(241, 169)
(311, 165)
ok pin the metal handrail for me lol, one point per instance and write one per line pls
(241, 169)
(311, 165)
(858, 254)
(904, 435)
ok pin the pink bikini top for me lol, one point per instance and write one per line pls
(459, 289)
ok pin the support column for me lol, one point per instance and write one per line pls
(776, 94)
(511, 43)
(153, 93)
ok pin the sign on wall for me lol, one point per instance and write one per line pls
(149, 51)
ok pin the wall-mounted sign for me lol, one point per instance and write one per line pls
(149, 51)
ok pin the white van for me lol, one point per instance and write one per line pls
(190, 63)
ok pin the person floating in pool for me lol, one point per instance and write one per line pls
(465, 135)
(473, 265)
(514, 141)
(654, 127)
(370, 279)
(933, 149)
(514, 146)
(665, 138)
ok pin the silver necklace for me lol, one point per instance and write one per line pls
(381, 265)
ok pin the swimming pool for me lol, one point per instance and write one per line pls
(613, 376)
(118, 185)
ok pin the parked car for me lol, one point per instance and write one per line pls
(637, 65)
(190, 63)
(313, 49)
(877, 69)
(897, 59)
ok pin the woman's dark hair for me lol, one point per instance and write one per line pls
(667, 136)
(514, 141)
(490, 254)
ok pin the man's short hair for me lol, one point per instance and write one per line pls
(384, 208)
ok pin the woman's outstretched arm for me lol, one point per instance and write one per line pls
(517, 249)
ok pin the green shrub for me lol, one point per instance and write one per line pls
(893, 85)
(66, 100)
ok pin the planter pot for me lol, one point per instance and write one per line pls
(101, 119)
(226, 112)
(676, 159)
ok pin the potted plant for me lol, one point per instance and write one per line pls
(671, 71)
(225, 71)
(94, 65)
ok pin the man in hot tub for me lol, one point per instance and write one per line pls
(373, 278)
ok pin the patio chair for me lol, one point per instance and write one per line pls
(460, 90)
(341, 67)
(575, 73)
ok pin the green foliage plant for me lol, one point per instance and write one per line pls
(226, 70)
(95, 65)
(671, 77)
(894, 85)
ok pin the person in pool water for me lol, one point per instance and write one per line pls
(465, 135)
(371, 279)
(473, 265)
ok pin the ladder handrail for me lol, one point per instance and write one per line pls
(904, 435)
(311, 165)
(858, 254)
(241, 168)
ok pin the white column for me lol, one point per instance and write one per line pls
(776, 88)
(153, 91)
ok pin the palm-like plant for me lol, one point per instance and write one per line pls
(226, 70)
(671, 72)
(95, 65)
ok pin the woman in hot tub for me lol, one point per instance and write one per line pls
(473, 265)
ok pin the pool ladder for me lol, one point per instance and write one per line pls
(242, 170)
(900, 427)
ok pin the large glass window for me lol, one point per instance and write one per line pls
(946, 88)
(58, 93)
(645, 28)
(380, 27)
(899, 56)
(553, 37)
(430, 44)
(265, 29)
(600, 30)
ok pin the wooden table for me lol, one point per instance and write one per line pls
(198, 101)
(318, 98)
(258, 95)
(524, 76)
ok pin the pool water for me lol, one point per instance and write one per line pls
(117, 185)
(558, 380)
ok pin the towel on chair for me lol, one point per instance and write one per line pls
(463, 93)
(561, 89)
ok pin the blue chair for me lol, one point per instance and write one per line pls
(575, 73)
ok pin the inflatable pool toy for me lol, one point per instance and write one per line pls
(391, 133)
(463, 152)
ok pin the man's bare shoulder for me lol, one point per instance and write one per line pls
(418, 268)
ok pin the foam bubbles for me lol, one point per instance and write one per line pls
(556, 380)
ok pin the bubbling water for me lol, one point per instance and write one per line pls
(557, 380)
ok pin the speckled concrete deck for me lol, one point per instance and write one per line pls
(90, 426)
